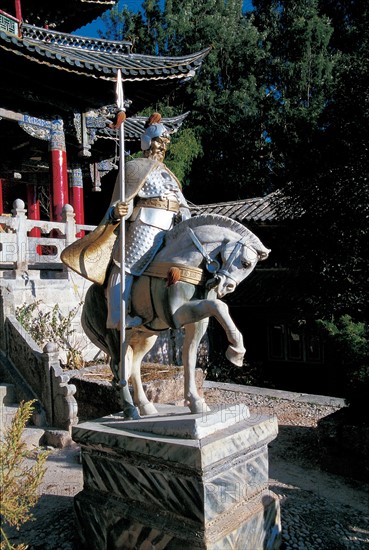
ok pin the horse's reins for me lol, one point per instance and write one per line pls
(212, 265)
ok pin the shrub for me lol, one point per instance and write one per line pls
(219, 369)
(51, 326)
(351, 344)
(19, 483)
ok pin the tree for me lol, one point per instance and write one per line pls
(335, 190)
(298, 76)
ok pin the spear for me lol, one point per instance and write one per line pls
(128, 406)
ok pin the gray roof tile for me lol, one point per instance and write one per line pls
(61, 51)
(274, 207)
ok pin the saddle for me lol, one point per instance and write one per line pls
(172, 273)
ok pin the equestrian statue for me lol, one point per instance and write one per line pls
(177, 269)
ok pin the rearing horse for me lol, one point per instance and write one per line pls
(203, 259)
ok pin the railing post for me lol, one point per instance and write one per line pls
(70, 224)
(64, 408)
(19, 212)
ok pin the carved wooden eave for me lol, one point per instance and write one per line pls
(66, 16)
(93, 127)
(87, 130)
(134, 127)
(46, 71)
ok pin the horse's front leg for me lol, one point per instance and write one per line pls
(196, 310)
(193, 334)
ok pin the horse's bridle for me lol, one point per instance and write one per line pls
(224, 271)
(212, 265)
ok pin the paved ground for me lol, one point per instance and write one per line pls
(319, 510)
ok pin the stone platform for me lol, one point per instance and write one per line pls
(178, 481)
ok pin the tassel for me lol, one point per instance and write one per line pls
(173, 276)
(119, 119)
(155, 118)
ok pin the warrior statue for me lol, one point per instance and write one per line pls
(154, 207)
(154, 204)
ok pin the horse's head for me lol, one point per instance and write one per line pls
(228, 249)
(239, 258)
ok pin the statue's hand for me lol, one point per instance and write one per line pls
(120, 210)
(183, 214)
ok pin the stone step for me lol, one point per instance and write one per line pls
(32, 437)
(7, 413)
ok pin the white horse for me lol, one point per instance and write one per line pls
(203, 259)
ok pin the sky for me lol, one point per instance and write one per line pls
(91, 29)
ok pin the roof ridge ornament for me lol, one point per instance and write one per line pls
(67, 40)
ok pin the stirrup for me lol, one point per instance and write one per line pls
(132, 322)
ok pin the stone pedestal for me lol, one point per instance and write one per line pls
(178, 481)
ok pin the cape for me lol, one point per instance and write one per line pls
(90, 256)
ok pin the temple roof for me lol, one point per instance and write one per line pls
(66, 16)
(271, 208)
(45, 69)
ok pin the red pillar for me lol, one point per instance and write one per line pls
(33, 209)
(18, 10)
(1, 197)
(59, 172)
(76, 197)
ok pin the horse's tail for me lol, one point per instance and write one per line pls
(93, 320)
(94, 316)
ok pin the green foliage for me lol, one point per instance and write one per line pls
(184, 148)
(51, 326)
(332, 184)
(351, 345)
(19, 482)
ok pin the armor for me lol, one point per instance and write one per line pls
(147, 225)
(158, 203)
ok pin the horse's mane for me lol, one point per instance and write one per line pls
(219, 221)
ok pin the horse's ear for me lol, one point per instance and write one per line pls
(263, 254)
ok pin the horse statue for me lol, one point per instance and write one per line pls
(202, 259)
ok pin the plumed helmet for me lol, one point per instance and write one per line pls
(154, 128)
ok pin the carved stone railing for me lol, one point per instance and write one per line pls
(68, 40)
(42, 372)
(21, 252)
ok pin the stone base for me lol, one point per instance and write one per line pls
(97, 397)
(178, 481)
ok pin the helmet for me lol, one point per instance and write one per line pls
(152, 131)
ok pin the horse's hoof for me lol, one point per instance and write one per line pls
(148, 409)
(131, 413)
(235, 357)
(199, 407)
